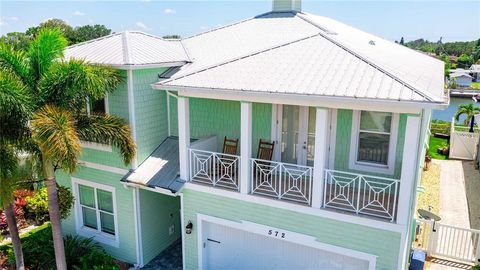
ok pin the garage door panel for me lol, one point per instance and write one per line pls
(229, 248)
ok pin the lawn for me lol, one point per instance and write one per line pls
(475, 85)
(434, 144)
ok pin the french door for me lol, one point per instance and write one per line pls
(295, 134)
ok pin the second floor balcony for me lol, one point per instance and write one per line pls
(303, 155)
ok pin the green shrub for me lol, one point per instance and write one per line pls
(37, 205)
(83, 253)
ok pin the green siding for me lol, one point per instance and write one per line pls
(125, 216)
(150, 112)
(334, 232)
(343, 141)
(158, 212)
(222, 118)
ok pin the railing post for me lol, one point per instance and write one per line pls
(320, 159)
(183, 136)
(245, 145)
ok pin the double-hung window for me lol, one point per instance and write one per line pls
(373, 144)
(95, 211)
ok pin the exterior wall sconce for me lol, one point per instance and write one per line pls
(189, 227)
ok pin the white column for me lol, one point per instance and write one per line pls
(245, 145)
(320, 159)
(409, 168)
(184, 136)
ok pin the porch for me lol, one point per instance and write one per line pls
(303, 168)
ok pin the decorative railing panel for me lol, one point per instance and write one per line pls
(282, 180)
(215, 169)
(361, 194)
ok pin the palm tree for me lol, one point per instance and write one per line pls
(59, 122)
(469, 110)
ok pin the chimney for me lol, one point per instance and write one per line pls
(287, 5)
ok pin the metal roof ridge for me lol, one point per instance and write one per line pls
(411, 86)
(126, 49)
(238, 58)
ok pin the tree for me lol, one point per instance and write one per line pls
(18, 40)
(469, 110)
(88, 32)
(476, 52)
(402, 42)
(464, 61)
(172, 37)
(60, 89)
(448, 65)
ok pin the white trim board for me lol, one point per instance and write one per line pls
(87, 232)
(96, 146)
(293, 237)
(358, 220)
(102, 167)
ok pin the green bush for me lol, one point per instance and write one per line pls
(81, 253)
(37, 205)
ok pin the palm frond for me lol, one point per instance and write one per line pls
(44, 49)
(107, 129)
(16, 106)
(68, 83)
(15, 61)
(53, 130)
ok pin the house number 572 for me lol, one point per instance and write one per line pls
(276, 233)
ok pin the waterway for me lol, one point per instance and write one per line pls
(448, 113)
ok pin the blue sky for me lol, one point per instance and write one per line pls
(454, 20)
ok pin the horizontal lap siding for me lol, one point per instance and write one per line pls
(343, 141)
(150, 112)
(158, 212)
(127, 247)
(384, 244)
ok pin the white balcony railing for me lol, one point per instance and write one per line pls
(282, 180)
(361, 194)
(215, 169)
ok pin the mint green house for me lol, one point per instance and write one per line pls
(331, 127)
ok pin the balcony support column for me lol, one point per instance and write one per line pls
(321, 151)
(409, 168)
(184, 136)
(245, 146)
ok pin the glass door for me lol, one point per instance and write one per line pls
(297, 134)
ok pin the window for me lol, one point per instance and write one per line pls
(99, 106)
(95, 211)
(374, 141)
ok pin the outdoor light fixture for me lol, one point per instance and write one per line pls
(189, 227)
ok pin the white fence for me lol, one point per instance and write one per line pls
(282, 180)
(463, 145)
(361, 194)
(215, 169)
(449, 242)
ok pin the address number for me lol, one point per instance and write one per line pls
(276, 234)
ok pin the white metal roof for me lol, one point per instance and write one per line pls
(309, 55)
(130, 49)
(460, 74)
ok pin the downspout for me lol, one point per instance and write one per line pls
(138, 226)
(182, 229)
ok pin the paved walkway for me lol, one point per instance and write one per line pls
(169, 259)
(453, 198)
(454, 208)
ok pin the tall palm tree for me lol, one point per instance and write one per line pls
(59, 122)
(469, 110)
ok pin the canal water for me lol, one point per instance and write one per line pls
(448, 113)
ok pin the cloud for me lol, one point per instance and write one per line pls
(5, 20)
(2, 21)
(13, 18)
(169, 11)
(78, 13)
(145, 0)
(142, 26)
(203, 28)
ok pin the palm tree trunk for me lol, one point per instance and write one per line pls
(54, 212)
(472, 123)
(13, 230)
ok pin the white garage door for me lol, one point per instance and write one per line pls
(229, 248)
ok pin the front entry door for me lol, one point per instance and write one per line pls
(297, 136)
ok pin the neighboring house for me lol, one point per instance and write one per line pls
(475, 72)
(348, 113)
(461, 78)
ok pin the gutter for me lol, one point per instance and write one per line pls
(156, 189)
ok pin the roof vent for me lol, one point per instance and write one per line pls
(371, 42)
(287, 5)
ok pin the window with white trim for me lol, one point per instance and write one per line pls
(98, 106)
(374, 141)
(95, 211)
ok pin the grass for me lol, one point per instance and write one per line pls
(475, 85)
(431, 185)
(435, 143)
(42, 227)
